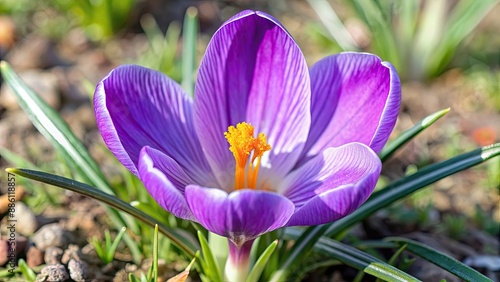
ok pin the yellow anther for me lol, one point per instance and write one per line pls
(260, 146)
(241, 144)
(240, 139)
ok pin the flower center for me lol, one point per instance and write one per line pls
(241, 144)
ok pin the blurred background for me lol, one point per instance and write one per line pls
(446, 52)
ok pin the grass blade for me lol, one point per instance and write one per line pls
(190, 34)
(464, 18)
(213, 270)
(181, 277)
(302, 246)
(429, 33)
(14, 158)
(261, 263)
(54, 128)
(155, 254)
(334, 25)
(27, 272)
(179, 239)
(383, 41)
(409, 134)
(442, 260)
(112, 249)
(220, 249)
(355, 258)
(378, 269)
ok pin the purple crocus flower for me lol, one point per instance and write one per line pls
(266, 143)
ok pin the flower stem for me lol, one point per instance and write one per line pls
(238, 262)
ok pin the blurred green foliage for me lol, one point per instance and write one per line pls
(418, 37)
(455, 226)
(27, 272)
(101, 19)
(16, 7)
(162, 48)
(106, 250)
(35, 17)
(488, 81)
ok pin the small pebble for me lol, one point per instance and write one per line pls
(34, 257)
(121, 276)
(4, 251)
(55, 272)
(72, 252)
(51, 235)
(34, 51)
(9, 120)
(53, 255)
(78, 270)
(489, 262)
(25, 215)
(7, 32)
(5, 246)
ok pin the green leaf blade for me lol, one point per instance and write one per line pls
(356, 258)
(465, 16)
(178, 238)
(27, 272)
(261, 262)
(442, 260)
(189, 39)
(213, 270)
(114, 245)
(54, 128)
(409, 134)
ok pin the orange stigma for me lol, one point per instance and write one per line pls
(241, 144)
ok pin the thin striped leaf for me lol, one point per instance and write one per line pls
(334, 25)
(383, 39)
(409, 134)
(212, 270)
(355, 258)
(189, 36)
(155, 254)
(15, 159)
(219, 247)
(27, 272)
(54, 128)
(440, 259)
(465, 16)
(261, 263)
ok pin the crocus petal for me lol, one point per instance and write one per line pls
(252, 71)
(137, 107)
(241, 215)
(355, 98)
(332, 184)
(165, 181)
(331, 205)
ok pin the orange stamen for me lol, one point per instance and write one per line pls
(241, 144)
